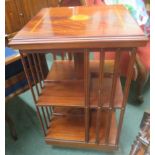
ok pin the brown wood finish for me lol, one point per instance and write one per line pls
(100, 93)
(80, 27)
(126, 92)
(12, 21)
(75, 128)
(87, 96)
(113, 92)
(71, 93)
(78, 63)
(64, 70)
(90, 89)
(19, 12)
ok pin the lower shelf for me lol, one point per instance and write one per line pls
(70, 129)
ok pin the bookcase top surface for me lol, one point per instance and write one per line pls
(68, 25)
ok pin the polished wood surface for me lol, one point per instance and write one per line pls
(65, 70)
(94, 87)
(100, 89)
(72, 94)
(75, 27)
(63, 88)
(75, 127)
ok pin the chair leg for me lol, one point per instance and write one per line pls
(141, 80)
(11, 127)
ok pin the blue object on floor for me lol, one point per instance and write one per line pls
(10, 52)
(12, 70)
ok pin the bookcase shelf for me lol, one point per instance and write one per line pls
(63, 89)
(63, 70)
(70, 127)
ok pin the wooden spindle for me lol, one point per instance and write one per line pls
(41, 120)
(28, 77)
(112, 95)
(32, 72)
(63, 55)
(126, 92)
(40, 66)
(86, 86)
(45, 120)
(36, 69)
(50, 112)
(70, 56)
(54, 56)
(100, 84)
(48, 115)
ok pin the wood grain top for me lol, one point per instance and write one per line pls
(75, 27)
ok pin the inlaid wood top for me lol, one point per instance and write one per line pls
(74, 27)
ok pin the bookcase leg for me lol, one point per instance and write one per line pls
(126, 92)
(86, 87)
(41, 120)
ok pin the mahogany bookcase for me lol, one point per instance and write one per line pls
(81, 102)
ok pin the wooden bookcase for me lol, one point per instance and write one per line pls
(81, 102)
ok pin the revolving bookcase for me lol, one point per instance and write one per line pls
(81, 102)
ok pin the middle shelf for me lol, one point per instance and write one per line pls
(62, 89)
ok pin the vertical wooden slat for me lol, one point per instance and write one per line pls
(50, 112)
(100, 85)
(83, 2)
(27, 76)
(126, 92)
(48, 115)
(115, 77)
(36, 68)
(54, 56)
(70, 56)
(45, 120)
(41, 121)
(40, 66)
(32, 72)
(112, 95)
(86, 86)
(63, 55)
(78, 64)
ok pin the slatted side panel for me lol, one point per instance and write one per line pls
(28, 76)
(35, 76)
(45, 116)
(112, 95)
(62, 55)
(115, 76)
(126, 91)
